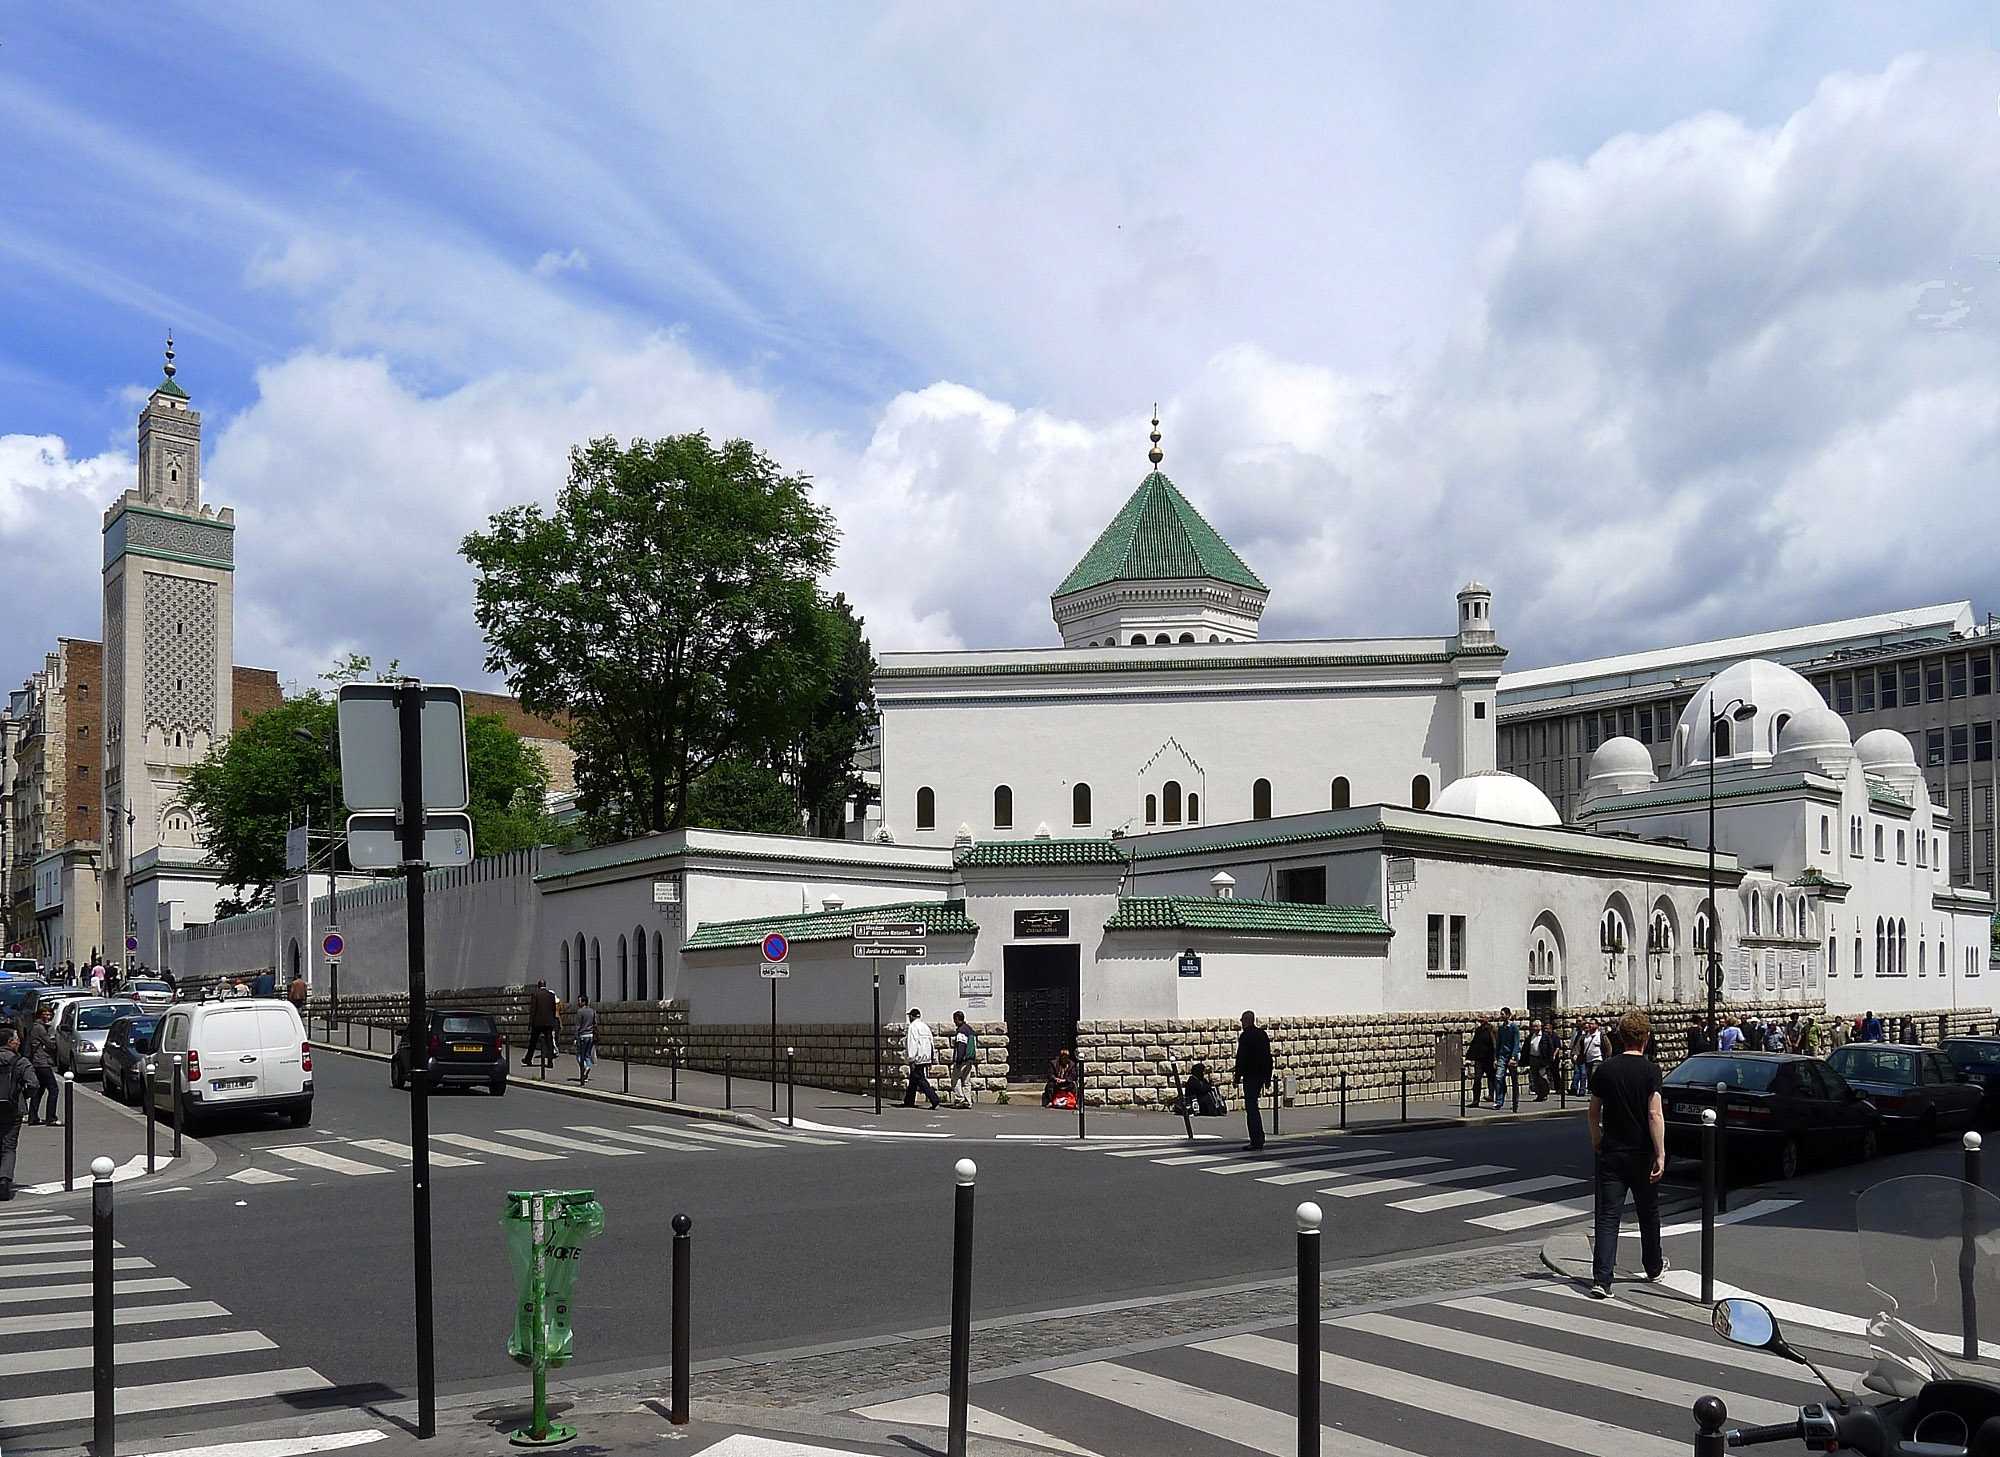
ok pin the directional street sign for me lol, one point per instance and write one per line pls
(890, 950)
(775, 971)
(333, 944)
(889, 930)
(775, 947)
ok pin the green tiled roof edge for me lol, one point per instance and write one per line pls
(940, 918)
(1042, 852)
(1205, 913)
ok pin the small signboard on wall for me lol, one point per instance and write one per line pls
(1190, 963)
(975, 983)
(1051, 922)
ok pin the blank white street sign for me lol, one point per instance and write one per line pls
(374, 842)
(371, 754)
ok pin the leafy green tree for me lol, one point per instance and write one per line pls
(823, 763)
(668, 607)
(740, 794)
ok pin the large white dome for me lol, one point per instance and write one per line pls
(1775, 696)
(1494, 794)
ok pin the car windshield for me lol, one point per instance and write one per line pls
(1971, 1054)
(465, 1026)
(95, 1019)
(1874, 1064)
(140, 1031)
(1752, 1074)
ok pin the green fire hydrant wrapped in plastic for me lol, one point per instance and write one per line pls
(545, 1231)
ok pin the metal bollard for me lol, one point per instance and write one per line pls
(1403, 1078)
(103, 1356)
(675, 1056)
(1968, 1248)
(683, 1240)
(1974, 1160)
(625, 1072)
(1343, 1100)
(961, 1306)
(1708, 1206)
(1461, 1090)
(1722, 1147)
(791, 1108)
(1710, 1417)
(1515, 1072)
(1308, 1329)
(1079, 1098)
(152, 1118)
(69, 1132)
(1181, 1097)
(1562, 1083)
(728, 1095)
(1277, 1099)
(176, 1090)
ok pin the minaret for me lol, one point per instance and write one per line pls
(169, 645)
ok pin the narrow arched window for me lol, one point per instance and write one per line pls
(639, 958)
(1194, 809)
(660, 964)
(1260, 800)
(1341, 795)
(1170, 801)
(1187, 637)
(1881, 945)
(1138, 639)
(1420, 792)
(1152, 810)
(582, 967)
(1079, 805)
(562, 968)
(926, 808)
(624, 972)
(1719, 744)
(1778, 728)
(1003, 808)
(1160, 638)
(1902, 948)
(596, 971)
(1756, 914)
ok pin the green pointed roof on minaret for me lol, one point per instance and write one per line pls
(166, 386)
(1158, 536)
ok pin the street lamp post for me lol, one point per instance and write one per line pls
(1737, 711)
(131, 822)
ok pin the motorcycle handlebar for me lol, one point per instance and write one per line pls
(1753, 1436)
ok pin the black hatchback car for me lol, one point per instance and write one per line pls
(1779, 1106)
(131, 1040)
(1919, 1091)
(464, 1050)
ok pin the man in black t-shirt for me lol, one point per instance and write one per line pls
(1628, 1134)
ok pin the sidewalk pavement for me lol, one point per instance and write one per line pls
(103, 1129)
(759, 1104)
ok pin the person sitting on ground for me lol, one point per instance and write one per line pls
(1062, 1079)
(1200, 1097)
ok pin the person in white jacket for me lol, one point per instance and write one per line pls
(918, 1049)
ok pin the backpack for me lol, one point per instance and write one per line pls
(13, 1087)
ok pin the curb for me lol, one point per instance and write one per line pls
(196, 1158)
(601, 1095)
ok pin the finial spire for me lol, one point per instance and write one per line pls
(1156, 455)
(169, 366)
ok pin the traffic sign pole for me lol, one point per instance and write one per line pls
(875, 1038)
(410, 709)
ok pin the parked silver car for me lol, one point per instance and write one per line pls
(81, 1026)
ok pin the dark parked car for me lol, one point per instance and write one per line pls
(465, 1049)
(1918, 1090)
(131, 1040)
(1779, 1106)
(1978, 1058)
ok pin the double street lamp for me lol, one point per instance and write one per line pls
(1736, 711)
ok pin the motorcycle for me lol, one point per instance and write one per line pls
(1930, 1252)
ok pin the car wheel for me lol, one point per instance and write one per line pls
(1871, 1144)
(302, 1116)
(190, 1118)
(499, 1087)
(1787, 1160)
(396, 1076)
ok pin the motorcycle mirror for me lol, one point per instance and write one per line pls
(1748, 1323)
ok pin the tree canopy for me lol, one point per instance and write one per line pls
(669, 608)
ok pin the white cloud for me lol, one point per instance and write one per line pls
(550, 264)
(49, 505)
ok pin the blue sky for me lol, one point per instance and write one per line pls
(1667, 326)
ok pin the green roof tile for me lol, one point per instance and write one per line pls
(940, 918)
(1158, 536)
(1881, 793)
(1042, 852)
(168, 387)
(1208, 913)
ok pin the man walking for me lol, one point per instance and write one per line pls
(1534, 1054)
(1628, 1136)
(1253, 1071)
(1507, 1055)
(543, 1019)
(918, 1049)
(964, 1057)
(42, 1068)
(13, 1092)
(297, 993)
(586, 1039)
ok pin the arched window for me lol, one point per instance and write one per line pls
(1826, 836)
(1778, 722)
(1340, 796)
(1170, 801)
(1611, 935)
(1213, 638)
(660, 964)
(624, 972)
(1194, 809)
(1832, 955)
(1756, 914)
(1079, 805)
(1003, 808)
(1857, 950)
(582, 967)
(1902, 848)
(1138, 639)
(1922, 969)
(1902, 948)
(596, 972)
(926, 808)
(1161, 637)
(639, 957)
(1260, 800)
(1420, 792)
(1187, 637)
(1701, 931)
(562, 969)
(1878, 842)
(1719, 742)
(1881, 946)
(1152, 810)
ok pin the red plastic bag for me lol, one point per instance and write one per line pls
(1064, 1099)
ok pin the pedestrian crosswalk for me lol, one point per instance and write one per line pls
(358, 1158)
(1496, 1196)
(175, 1352)
(1532, 1370)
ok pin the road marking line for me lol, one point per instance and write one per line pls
(55, 1248)
(934, 1410)
(641, 1139)
(1601, 1375)
(1479, 1408)
(70, 1406)
(318, 1158)
(254, 1175)
(41, 1224)
(284, 1446)
(1531, 1215)
(1381, 1165)
(1324, 1166)
(74, 1320)
(575, 1145)
(1757, 1210)
(501, 1150)
(1288, 1159)
(1257, 1427)
(837, 1128)
(1411, 1181)
(403, 1151)
(28, 1295)
(171, 1348)
(1154, 1155)
(71, 1267)
(1456, 1197)
(745, 1138)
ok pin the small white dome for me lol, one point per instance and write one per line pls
(1494, 794)
(1775, 695)
(1621, 755)
(1881, 750)
(1816, 739)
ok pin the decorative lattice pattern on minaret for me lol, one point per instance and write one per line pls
(114, 665)
(180, 654)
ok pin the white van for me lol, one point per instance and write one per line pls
(244, 1055)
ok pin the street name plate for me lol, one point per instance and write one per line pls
(889, 931)
(775, 971)
(888, 950)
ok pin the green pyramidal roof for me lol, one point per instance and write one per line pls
(168, 387)
(1158, 536)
